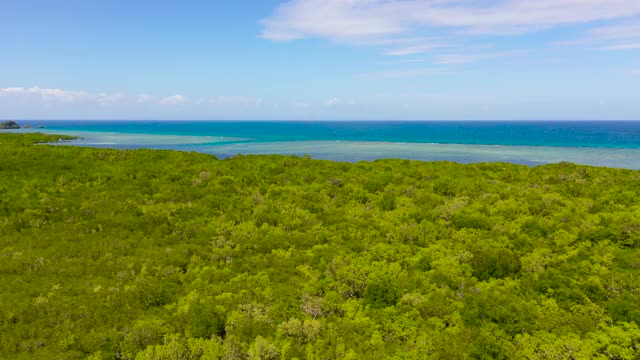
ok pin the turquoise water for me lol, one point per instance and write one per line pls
(605, 143)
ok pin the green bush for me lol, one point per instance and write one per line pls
(144, 254)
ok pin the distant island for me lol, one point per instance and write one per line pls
(9, 125)
(12, 125)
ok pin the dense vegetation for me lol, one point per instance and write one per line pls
(112, 254)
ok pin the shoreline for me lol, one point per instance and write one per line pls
(354, 151)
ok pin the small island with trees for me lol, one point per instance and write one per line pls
(12, 125)
(9, 125)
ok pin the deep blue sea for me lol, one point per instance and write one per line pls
(602, 143)
(599, 134)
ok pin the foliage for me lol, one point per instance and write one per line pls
(119, 254)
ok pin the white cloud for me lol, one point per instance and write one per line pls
(57, 103)
(144, 98)
(49, 95)
(233, 101)
(635, 72)
(620, 36)
(107, 99)
(56, 95)
(457, 58)
(301, 105)
(414, 50)
(470, 58)
(401, 73)
(334, 101)
(628, 46)
(61, 103)
(173, 100)
(415, 27)
(403, 61)
(370, 19)
(393, 41)
(337, 19)
(12, 91)
(617, 32)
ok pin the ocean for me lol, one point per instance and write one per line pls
(598, 143)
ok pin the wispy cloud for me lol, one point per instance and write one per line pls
(404, 61)
(627, 46)
(301, 105)
(106, 99)
(52, 103)
(620, 36)
(57, 95)
(334, 101)
(173, 100)
(358, 20)
(234, 100)
(61, 96)
(392, 41)
(144, 98)
(400, 73)
(617, 32)
(414, 50)
(635, 72)
(473, 57)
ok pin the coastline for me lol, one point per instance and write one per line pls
(354, 151)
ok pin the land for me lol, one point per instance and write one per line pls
(9, 125)
(12, 125)
(148, 254)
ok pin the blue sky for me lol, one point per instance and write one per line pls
(320, 59)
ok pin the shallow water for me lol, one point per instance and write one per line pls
(356, 150)
(95, 138)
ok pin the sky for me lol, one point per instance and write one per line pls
(320, 59)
